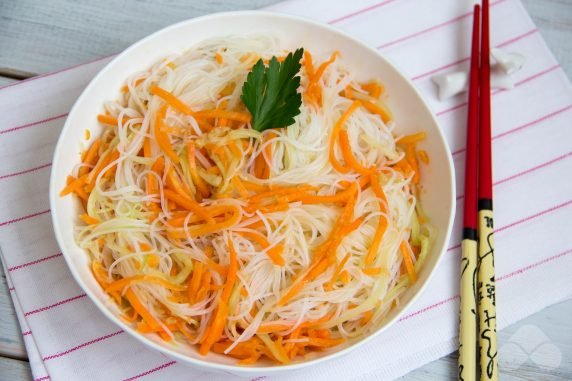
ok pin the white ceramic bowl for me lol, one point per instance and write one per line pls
(411, 115)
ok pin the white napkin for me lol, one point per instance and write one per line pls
(69, 339)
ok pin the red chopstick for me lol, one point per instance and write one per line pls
(486, 291)
(485, 162)
(470, 206)
(468, 319)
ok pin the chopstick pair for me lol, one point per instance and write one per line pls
(478, 307)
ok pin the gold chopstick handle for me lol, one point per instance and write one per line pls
(486, 297)
(468, 311)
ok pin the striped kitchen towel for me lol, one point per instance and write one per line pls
(69, 339)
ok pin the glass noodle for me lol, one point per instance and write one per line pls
(250, 243)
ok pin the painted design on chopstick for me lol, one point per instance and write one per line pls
(467, 310)
(486, 296)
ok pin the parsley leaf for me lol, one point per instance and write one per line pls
(271, 93)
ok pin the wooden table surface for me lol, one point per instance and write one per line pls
(39, 36)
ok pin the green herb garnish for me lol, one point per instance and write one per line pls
(271, 93)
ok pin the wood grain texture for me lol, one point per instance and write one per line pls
(14, 370)
(6, 81)
(39, 36)
(42, 36)
(554, 20)
(11, 343)
(552, 322)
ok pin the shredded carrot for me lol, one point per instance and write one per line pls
(147, 150)
(100, 274)
(152, 186)
(91, 156)
(403, 167)
(171, 100)
(207, 228)
(109, 120)
(120, 284)
(89, 220)
(246, 350)
(205, 286)
(405, 251)
(342, 196)
(377, 109)
(74, 185)
(345, 277)
(214, 169)
(274, 253)
(103, 162)
(219, 113)
(321, 333)
(422, 155)
(349, 158)
(322, 68)
(373, 88)
(274, 327)
(162, 138)
(258, 167)
(413, 138)
(213, 266)
(202, 187)
(249, 56)
(338, 270)
(231, 275)
(112, 157)
(334, 136)
(194, 282)
(228, 89)
(375, 271)
(308, 64)
(189, 204)
(412, 160)
(317, 268)
(152, 260)
(340, 231)
(268, 156)
(279, 191)
(239, 186)
(378, 190)
(367, 315)
(234, 149)
(278, 207)
(323, 343)
(382, 223)
(132, 318)
(294, 289)
(174, 183)
(215, 329)
(102, 278)
(255, 187)
(342, 227)
(138, 81)
(87, 134)
(313, 90)
(218, 58)
(141, 310)
(178, 218)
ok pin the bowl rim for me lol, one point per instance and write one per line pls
(203, 363)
